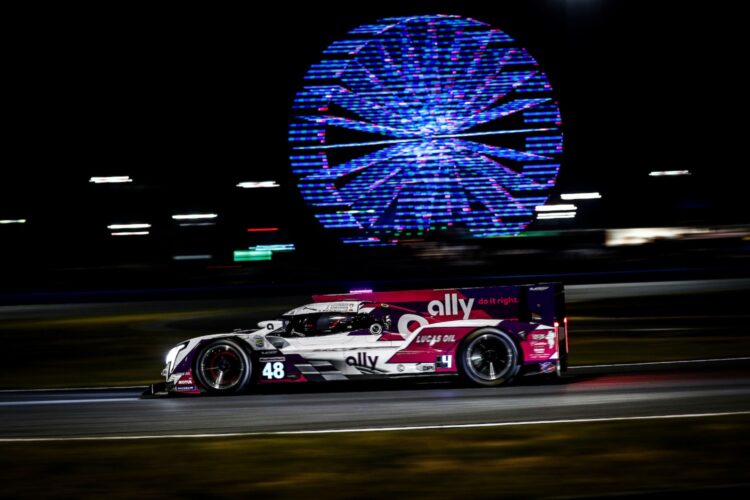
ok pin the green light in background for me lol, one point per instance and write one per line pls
(252, 255)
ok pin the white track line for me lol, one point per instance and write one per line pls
(369, 429)
(64, 401)
(71, 389)
(713, 360)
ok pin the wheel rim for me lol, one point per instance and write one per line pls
(489, 357)
(221, 367)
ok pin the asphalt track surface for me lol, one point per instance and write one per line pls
(601, 392)
(607, 392)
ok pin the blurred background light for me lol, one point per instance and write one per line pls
(668, 173)
(258, 184)
(278, 247)
(643, 235)
(129, 226)
(192, 257)
(194, 216)
(111, 180)
(554, 208)
(130, 233)
(12, 221)
(556, 215)
(580, 196)
(252, 255)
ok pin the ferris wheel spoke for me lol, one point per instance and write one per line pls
(507, 176)
(383, 113)
(498, 152)
(506, 109)
(502, 82)
(337, 121)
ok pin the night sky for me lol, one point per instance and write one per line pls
(188, 102)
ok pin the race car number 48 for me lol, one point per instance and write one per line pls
(273, 370)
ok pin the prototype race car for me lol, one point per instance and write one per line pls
(486, 335)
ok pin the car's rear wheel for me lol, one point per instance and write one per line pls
(488, 357)
(223, 367)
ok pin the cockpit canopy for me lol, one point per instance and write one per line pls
(326, 323)
(330, 318)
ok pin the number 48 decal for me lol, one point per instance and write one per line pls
(273, 370)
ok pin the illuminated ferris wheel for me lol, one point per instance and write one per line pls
(425, 123)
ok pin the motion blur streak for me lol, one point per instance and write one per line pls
(111, 180)
(65, 401)
(12, 221)
(556, 215)
(192, 257)
(580, 196)
(129, 226)
(555, 208)
(599, 393)
(373, 429)
(261, 184)
(194, 216)
(662, 173)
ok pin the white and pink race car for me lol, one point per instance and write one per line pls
(487, 335)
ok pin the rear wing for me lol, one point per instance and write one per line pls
(539, 303)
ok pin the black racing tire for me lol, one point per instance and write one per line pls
(488, 357)
(223, 367)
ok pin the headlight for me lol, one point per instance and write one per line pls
(172, 356)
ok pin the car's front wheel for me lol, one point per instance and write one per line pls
(223, 367)
(488, 357)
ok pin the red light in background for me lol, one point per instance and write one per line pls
(262, 229)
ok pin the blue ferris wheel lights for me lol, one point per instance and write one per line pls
(455, 127)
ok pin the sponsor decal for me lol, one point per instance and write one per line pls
(259, 341)
(400, 368)
(547, 367)
(450, 306)
(551, 339)
(538, 340)
(362, 359)
(506, 301)
(268, 353)
(340, 307)
(187, 381)
(434, 339)
(271, 359)
(185, 388)
(428, 367)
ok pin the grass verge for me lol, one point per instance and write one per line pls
(536, 461)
